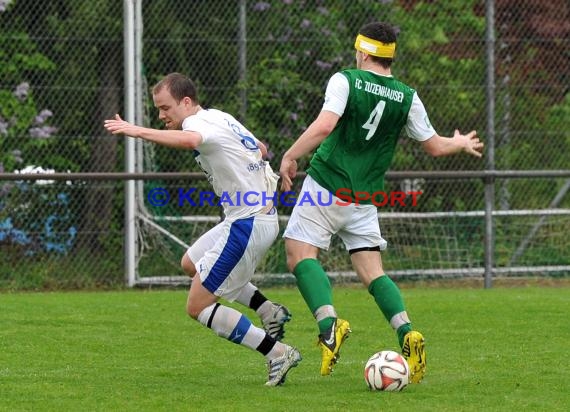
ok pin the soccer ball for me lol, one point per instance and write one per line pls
(387, 371)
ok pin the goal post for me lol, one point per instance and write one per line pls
(430, 245)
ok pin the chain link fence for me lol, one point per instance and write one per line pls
(62, 74)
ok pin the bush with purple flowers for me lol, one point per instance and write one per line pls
(32, 219)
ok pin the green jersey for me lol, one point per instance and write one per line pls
(359, 151)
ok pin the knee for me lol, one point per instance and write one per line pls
(291, 262)
(193, 307)
(297, 251)
(193, 310)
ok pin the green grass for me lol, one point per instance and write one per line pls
(503, 349)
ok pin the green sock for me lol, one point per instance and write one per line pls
(315, 287)
(388, 298)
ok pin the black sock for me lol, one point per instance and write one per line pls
(257, 300)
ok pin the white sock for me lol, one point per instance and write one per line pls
(246, 294)
(237, 328)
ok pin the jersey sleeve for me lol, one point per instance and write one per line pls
(336, 94)
(195, 124)
(418, 126)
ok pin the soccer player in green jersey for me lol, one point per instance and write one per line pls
(355, 135)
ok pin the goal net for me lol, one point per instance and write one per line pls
(420, 246)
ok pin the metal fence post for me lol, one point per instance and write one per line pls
(130, 232)
(242, 50)
(490, 154)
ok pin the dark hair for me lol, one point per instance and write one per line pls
(179, 86)
(383, 32)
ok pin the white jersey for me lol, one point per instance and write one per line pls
(232, 161)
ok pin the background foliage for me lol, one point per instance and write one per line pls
(68, 58)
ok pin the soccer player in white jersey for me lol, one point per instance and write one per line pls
(224, 259)
(355, 136)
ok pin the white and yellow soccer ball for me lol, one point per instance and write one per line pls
(387, 371)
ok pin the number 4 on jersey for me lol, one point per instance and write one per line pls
(374, 120)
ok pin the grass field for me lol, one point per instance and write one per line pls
(503, 349)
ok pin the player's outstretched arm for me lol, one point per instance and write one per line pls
(321, 127)
(172, 138)
(444, 146)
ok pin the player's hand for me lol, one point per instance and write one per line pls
(288, 171)
(120, 126)
(471, 143)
